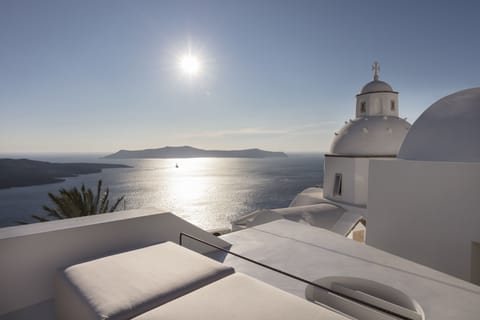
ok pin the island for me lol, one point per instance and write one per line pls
(25, 172)
(191, 152)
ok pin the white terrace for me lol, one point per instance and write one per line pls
(125, 265)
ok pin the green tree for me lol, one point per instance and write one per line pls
(71, 203)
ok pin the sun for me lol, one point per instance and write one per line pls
(190, 65)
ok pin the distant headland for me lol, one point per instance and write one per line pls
(24, 172)
(191, 152)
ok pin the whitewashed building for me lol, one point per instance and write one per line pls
(376, 132)
(417, 188)
(425, 205)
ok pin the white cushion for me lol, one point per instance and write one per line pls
(125, 285)
(239, 297)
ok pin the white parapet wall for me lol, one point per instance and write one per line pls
(32, 254)
(428, 212)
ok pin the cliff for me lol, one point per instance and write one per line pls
(24, 172)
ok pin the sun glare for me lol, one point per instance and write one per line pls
(190, 65)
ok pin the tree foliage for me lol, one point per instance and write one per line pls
(74, 202)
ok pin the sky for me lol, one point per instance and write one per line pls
(103, 75)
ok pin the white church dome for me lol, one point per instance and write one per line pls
(449, 130)
(376, 86)
(370, 136)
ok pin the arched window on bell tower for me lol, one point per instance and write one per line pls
(363, 107)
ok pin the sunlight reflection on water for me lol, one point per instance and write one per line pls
(208, 192)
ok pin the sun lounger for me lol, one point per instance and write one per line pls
(125, 285)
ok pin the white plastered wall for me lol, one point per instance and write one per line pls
(428, 212)
(32, 254)
(354, 172)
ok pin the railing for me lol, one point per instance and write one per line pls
(366, 304)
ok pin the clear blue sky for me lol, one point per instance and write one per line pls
(92, 76)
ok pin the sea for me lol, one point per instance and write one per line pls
(208, 192)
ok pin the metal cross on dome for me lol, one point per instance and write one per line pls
(375, 69)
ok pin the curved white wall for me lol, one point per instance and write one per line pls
(370, 136)
(448, 130)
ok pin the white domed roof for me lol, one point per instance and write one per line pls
(449, 130)
(371, 136)
(376, 86)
